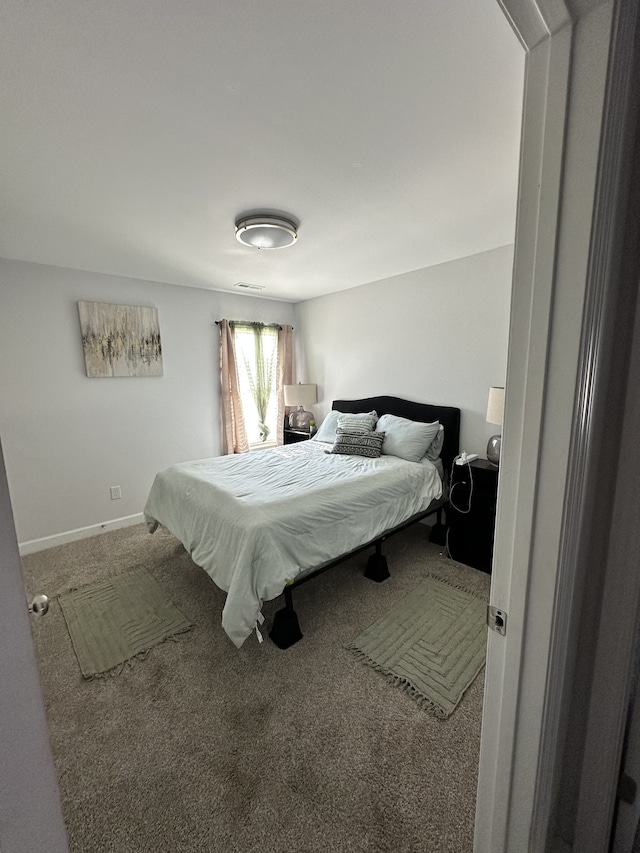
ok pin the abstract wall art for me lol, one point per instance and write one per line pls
(120, 340)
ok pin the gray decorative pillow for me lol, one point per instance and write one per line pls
(358, 443)
(361, 422)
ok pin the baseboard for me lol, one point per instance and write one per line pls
(34, 545)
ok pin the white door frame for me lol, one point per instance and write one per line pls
(559, 337)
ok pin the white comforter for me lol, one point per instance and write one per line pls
(254, 521)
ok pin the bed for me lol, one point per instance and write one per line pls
(264, 522)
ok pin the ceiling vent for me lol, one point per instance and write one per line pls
(243, 285)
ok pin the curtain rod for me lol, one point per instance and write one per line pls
(250, 323)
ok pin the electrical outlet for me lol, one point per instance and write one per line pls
(116, 493)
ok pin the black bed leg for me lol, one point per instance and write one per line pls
(438, 534)
(285, 630)
(377, 569)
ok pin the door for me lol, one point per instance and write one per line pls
(563, 331)
(628, 807)
(30, 814)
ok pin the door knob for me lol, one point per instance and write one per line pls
(39, 605)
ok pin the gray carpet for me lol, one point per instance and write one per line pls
(202, 747)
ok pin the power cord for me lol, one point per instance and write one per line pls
(463, 483)
(452, 502)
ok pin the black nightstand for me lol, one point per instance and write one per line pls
(291, 436)
(471, 533)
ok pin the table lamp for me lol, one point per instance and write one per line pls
(495, 412)
(300, 395)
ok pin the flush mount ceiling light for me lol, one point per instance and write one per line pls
(266, 232)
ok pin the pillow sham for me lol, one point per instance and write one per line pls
(367, 444)
(327, 429)
(361, 422)
(435, 448)
(406, 439)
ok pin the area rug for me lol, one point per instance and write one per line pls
(115, 620)
(432, 644)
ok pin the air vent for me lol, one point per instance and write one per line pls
(243, 285)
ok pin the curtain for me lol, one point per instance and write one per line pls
(261, 369)
(260, 377)
(284, 374)
(234, 436)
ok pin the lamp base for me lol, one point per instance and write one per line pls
(493, 450)
(300, 419)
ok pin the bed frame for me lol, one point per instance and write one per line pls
(285, 630)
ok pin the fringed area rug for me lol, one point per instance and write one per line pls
(115, 620)
(432, 644)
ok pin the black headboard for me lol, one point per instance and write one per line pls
(448, 416)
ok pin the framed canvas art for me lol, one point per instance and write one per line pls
(120, 340)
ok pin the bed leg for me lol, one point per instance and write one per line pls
(438, 534)
(377, 569)
(285, 630)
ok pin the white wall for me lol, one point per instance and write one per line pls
(68, 438)
(437, 335)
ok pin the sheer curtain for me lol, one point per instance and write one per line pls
(234, 436)
(284, 373)
(260, 362)
(234, 432)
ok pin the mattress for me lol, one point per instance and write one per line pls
(255, 521)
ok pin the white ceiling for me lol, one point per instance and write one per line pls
(134, 132)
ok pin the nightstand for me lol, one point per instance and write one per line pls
(292, 436)
(471, 532)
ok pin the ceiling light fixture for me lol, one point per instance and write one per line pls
(262, 231)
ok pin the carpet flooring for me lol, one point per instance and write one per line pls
(203, 747)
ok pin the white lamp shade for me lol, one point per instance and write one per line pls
(495, 407)
(300, 394)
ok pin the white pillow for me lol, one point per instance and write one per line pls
(406, 439)
(327, 429)
(435, 448)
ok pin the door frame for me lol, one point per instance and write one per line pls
(575, 134)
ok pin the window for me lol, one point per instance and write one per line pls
(256, 363)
